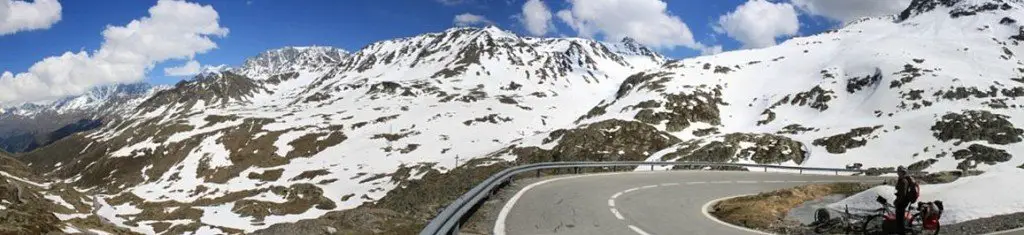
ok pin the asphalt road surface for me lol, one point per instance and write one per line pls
(670, 202)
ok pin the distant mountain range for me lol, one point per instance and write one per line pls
(377, 140)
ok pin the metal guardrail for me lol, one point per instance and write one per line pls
(450, 219)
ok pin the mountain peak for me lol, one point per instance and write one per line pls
(289, 59)
(628, 40)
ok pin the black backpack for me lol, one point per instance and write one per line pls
(913, 189)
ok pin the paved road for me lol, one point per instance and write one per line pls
(639, 203)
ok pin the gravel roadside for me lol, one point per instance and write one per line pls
(978, 226)
(987, 225)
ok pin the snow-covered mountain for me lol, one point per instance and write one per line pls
(291, 59)
(375, 141)
(935, 88)
(94, 99)
(28, 126)
(298, 132)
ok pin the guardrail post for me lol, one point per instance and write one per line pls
(801, 171)
(766, 169)
(652, 167)
(538, 174)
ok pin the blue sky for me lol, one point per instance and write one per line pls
(259, 25)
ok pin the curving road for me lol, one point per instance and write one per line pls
(670, 202)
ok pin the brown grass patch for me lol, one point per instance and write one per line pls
(764, 210)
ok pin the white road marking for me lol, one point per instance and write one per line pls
(638, 230)
(774, 181)
(617, 215)
(746, 182)
(707, 207)
(798, 181)
(824, 181)
(499, 224)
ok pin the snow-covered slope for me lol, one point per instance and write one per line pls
(960, 198)
(298, 132)
(939, 87)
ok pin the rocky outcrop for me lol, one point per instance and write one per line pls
(855, 138)
(741, 147)
(978, 154)
(974, 125)
(210, 89)
(609, 140)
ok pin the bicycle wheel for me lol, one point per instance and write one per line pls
(872, 225)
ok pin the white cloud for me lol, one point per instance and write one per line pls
(758, 23)
(711, 50)
(188, 69)
(19, 15)
(647, 21)
(173, 30)
(536, 18)
(848, 10)
(467, 19)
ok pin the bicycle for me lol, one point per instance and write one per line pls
(883, 219)
(847, 223)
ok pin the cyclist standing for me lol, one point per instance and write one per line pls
(906, 193)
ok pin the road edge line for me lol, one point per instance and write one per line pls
(704, 210)
(499, 223)
(1005, 231)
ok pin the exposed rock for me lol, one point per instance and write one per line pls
(816, 98)
(921, 165)
(856, 84)
(795, 129)
(267, 175)
(855, 138)
(643, 81)
(733, 147)
(609, 140)
(977, 153)
(908, 75)
(492, 118)
(974, 125)
(684, 109)
(706, 131)
(212, 89)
